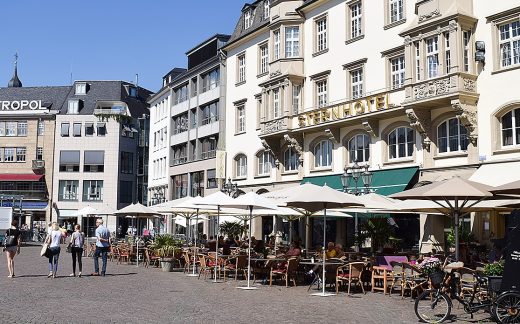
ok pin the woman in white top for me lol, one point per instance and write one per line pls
(53, 239)
(76, 248)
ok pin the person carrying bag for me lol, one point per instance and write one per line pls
(12, 246)
(77, 240)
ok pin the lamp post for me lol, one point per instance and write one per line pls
(354, 174)
(228, 187)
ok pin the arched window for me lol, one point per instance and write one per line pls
(290, 160)
(452, 136)
(265, 161)
(359, 148)
(323, 154)
(241, 166)
(400, 143)
(511, 128)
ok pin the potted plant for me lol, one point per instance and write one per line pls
(377, 230)
(493, 272)
(166, 248)
(432, 268)
(232, 229)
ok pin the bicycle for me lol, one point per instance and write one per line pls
(434, 305)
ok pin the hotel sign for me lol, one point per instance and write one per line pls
(344, 110)
(22, 105)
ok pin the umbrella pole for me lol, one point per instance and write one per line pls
(249, 248)
(324, 242)
(216, 246)
(356, 233)
(456, 220)
(193, 274)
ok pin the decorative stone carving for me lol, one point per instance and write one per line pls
(275, 73)
(267, 148)
(371, 127)
(274, 126)
(407, 40)
(432, 88)
(430, 15)
(469, 85)
(293, 143)
(420, 121)
(467, 116)
(332, 134)
(453, 26)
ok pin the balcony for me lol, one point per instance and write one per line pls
(274, 126)
(116, 110)
(208, 155)
(441, 89)
(180, 160)
(38, 165)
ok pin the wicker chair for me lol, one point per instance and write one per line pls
(287, 273)
(204, 267)
(399, 277)
(413, 279)
(240, 265)
(350, 273)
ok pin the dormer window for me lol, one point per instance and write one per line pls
(81, 88)
(132, 91)
(73, 108)
(266, 9)
(248, 19)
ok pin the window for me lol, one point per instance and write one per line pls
(355, 20)
(397, 71)
(466, 40)
(68, 190)
(22, 128)
(180, 123)
(94, 161)
(9, 154)
(241, 166)
(92, 190)
(180, 154)
(265, 162)
(509, 42)
(452, 136)
(321, 93)
(211, 80)
(241, 119)
(76, 129)
(127, 162)
(126, 192)
(321, 35)
(248, 19)
(292, 41)
(39, 153)
(447, 52)
(359, 148)
(41, 128)
(277, 111)
(89, 129)
(417, 61)
(197, 184)
(323, 154)
(73, 108)
(511, 128)
(132, 92)
(210, 113)
(276, 43)
(264, 59)
(81, 88)
(69, 161)
(211, 179)
(209, 147)
(181, 94)
(65, 129)
(291, 160)
(396, 10)
(194, 89)
(180, 186)
(10, 128)
(296, 95)
(356, 77)
(101, 129)
(20, 154)
(432, 56)
(266, 9)
(242, 68)
(193, 118)
(400, 143)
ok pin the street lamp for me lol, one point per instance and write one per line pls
(229, 187)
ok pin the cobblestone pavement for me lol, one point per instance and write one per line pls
(130, 294)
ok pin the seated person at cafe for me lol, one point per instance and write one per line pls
(295, 250)
(237, 241)
(260, 247)
(331, 251)
(211, 244)
(204, 239)
(226, 250)
(339, 251)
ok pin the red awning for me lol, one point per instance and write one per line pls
(20, 177)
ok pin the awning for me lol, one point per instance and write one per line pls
(20, 177)
(496, 174)
(384, 182)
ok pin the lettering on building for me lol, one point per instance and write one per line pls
(22, 105)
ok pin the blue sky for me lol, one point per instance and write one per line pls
(106, 39)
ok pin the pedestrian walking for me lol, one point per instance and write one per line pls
(12, 246)
(54, 249)
(102, 247)
(76, 248)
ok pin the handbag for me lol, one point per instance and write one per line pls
(10, 240)
(69, 248)
(45, 249)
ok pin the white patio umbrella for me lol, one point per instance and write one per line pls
(251, 201)
(315, 198)
(89, 211)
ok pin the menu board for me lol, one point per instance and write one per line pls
(511, 279)
(6, 216)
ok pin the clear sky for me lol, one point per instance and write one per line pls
(106, 39)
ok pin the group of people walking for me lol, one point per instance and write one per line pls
(75, 246)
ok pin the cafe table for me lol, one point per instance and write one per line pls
(317, 273)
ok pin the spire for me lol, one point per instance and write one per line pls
(15, 82)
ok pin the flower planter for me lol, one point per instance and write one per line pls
(167, 264)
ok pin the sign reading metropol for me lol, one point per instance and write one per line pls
(22, 105)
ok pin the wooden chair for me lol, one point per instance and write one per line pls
(412, 278)
(352, 275)
(123, 255)
(240, 265)
(188, 261)
(204, 267)
(381, 276)
(467, 281)
(114, 254)
(150, 257)
(398, 277)
(287, 273)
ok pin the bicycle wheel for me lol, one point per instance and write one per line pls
(433, 306)
(506, 308)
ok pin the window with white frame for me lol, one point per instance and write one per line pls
(396, 10)
(509, 41)
(76, 129)
(241, 166)
(290, 160)
(241, 68)
(432, 56)
(296, 98)
(359, 148)
(397, 71)
(267, 9)
(292, 41)
(356, 79)
(9, 154)
(20, 154)
(321, 93)
(321, 34)
(355, 20)
(447, 52)
(401, 142)
(11, 128)
(22, 128)
(73, 107)
(277, 111)
(265, 161)
(417, 61)
(39, 153)
(510, 124)
(452, 136)
(248, 19)
(276, 44)
(68, 190)
(323, 154)
(81, 88)
(41, 128)
(92, 190)
(181, 94)
(264, 59)
(466, 42)
(241, 119)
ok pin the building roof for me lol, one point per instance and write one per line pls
(222, 37)
(258, 21)
(51, 97)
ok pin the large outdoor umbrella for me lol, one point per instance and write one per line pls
(453, 196)
(251, 201)
(313, 198)
(512, 188)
